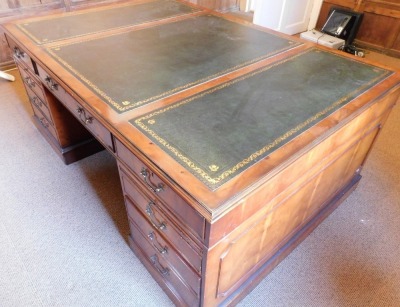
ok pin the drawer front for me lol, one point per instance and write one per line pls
(39, 103)
(92, 124)
(163, 248)
(164, 269)
(55, 88)
(31, 82)
(157, 187)
(87, 119)
(150, 209)
(44, 121)
(20, 55)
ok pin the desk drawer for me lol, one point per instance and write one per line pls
(91, 123)
(150, 208)
(156, 186)
(86, 118)
(43, 120)
(39, 103)
(163, 269)
(163, 248)
(31, 82)
(20, 55)
(55, 88)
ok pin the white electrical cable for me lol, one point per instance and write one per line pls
(6, 76)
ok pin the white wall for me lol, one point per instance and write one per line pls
(281, 15)
(314, 14)
(268, 13)
(287, 16)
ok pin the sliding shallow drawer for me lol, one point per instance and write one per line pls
(87, 119)
(156, 186)
(162, 267)
(163, 248)
(20, 55)
(150, 209)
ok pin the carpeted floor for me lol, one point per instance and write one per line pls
(63, 231)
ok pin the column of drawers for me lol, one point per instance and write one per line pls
(69, 128)
(166, 233)
(36, 95)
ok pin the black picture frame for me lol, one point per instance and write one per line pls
(343, 24)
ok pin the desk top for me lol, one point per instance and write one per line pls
(142, 66)
(214, 103)
(73, 25)
(219, 133)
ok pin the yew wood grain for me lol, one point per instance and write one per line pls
(250, 244)
(221, 241)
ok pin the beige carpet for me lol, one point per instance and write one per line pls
(63, 231)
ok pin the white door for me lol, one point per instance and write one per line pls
(247, 5)
(287, 16)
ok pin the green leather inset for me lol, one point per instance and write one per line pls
(131, 69)
(76, 25)
(221, 132)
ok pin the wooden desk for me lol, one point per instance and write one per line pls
(233, 142)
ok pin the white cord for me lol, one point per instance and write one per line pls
(320, 38)
(6, 76)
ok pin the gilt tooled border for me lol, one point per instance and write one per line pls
(214, 181)
(29, 34)
(84, 79)
(137, 104)
(43, 42)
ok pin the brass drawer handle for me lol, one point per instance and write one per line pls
(156, 263)
(36, 101)
(157, 245)
(44, 122)
(29, 82)
(19, 53)
(51, 83)
(82, 115)
(153, 220)
(146, 174)
(33, 100)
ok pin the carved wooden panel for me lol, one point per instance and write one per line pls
(351, 4)
(396, 44)
(378, 30)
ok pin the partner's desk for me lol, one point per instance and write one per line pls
(233, 142)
